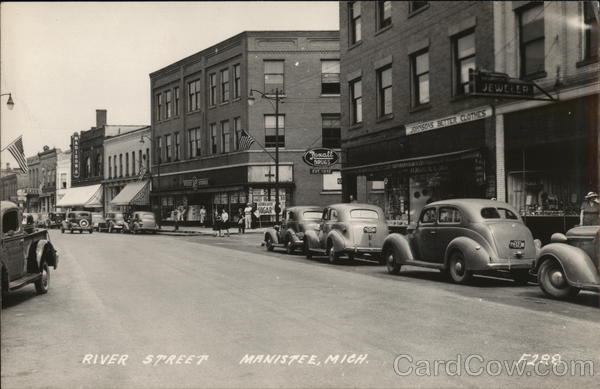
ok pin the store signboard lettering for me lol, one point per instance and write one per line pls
(75, 155)
(459, 118)
(268, 207)
(499, 85)
(320, 160)
(195, 182)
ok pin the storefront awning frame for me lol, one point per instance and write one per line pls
(82, 196)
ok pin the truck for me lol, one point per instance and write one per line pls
(26, 255)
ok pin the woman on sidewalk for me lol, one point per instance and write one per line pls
(217, 223)
(225, 221)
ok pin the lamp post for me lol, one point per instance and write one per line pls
(9, 103)
(251, 100)
(142, 136)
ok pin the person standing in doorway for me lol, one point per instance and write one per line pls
(248, 216)
(176, 218)
(590, 210)
(202, 215)
(225, 220)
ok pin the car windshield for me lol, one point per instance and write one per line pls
(498, 213)
(364, 214)
(312, 215)
(118, 216)
(146, 216)
(83, 214)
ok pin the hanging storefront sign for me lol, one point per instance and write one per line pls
(195, 182)
(320, 160)
(492, 84)
(459, 118)
(75, 155)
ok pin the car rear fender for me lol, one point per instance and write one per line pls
(339, 242)
(271, 233)
(293, 236)
(476, 255)
(579, 268)
(311, 237)
(401, 246)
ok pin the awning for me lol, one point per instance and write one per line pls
(133, 193)
(84, 196)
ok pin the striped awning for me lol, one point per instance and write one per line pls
(133, 193)
(83, 196)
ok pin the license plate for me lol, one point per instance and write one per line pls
(370, 230)
(516, 244)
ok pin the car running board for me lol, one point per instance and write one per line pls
(21, 282)
(423, 264)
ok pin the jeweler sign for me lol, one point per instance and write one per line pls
(459, 118)
(499, 85)
(320, 160)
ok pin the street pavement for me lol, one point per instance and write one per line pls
(150, 311)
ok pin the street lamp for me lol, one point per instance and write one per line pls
(9, 103)
(142, 136)
(251, 101)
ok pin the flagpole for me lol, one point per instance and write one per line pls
(11, 143)
(262, 147)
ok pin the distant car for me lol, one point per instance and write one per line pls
(41, 220)
(290, 234)
(463, 237)
(98, 220)
(116, 222)
(77, 221)
(54, 219)
(348, 229)
(570, 263)
(142, 221)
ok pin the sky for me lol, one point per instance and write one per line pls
(62, 61)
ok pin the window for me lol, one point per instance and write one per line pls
(126, 164)
(224, 85)
(212, 81)
(168, 151)
(176, 93)
(384, 95)
(133, 163)
(193, 95)
(99, 167)
(464, 59)
(364, 214)
(237, 128)
(384, 14)
(213, 138)
(531, 45)
(414, 6)
(590, 31)
(331, 135)
(356, 101)
(177, 147)
(274, 76)
(355, 22)
(194, 145)
(270, 133)
(109, 168)
(449, 215)
(332, 182)
(507, 214)
(158, 105)
(115, 175)
(140, 161)
(237, 81)
(420, 70)
(428, 216)
(330, 77)
(63, 179)
(225, 137)
(120, 165)
(10, 221)
(159, 149)
(88, 168)
(168, 104)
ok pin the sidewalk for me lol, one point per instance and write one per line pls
(193, 230)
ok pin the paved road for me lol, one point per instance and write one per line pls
(209, 302)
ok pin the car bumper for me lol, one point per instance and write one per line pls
(362, 250)
(524, 265)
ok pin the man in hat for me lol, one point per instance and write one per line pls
(248, 216)
(590, 210)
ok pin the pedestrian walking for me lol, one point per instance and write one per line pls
(225, 220)
(590, 210)
(202, 215)
(241, 221)
(175, 217)
(217, 223)
(248, 216)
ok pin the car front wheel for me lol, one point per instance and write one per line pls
(458, 268)
(391, 262)
(332, 255)
(289, 246)
(42, 285)
(269, 243)
(553, 281)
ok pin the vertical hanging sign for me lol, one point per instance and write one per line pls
(75, 155)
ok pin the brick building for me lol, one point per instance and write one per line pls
(410, 135)
(11, 180)
(200, 107)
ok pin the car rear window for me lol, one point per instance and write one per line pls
(312, 215)
(498, 213)
(364, 214)
(147, 216)
(118, 216)
(84, 214)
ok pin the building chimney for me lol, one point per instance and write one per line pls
(100, 118)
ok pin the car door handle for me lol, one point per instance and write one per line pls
(433, 232)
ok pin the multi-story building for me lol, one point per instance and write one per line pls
(126, 169)
(47, 178)
(32, 190)
(200, 111)
(410, 133)
(11, 180)
(63, 173)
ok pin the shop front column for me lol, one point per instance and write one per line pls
(500, 163)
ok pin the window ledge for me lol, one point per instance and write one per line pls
(419, 108)
(385, 118)
(354, 45)
(587, 61)
(237, 99)
(535, 76)
(224, 103)
(383, 29)
(355, 126)
(329, 95)
(192, 112)
(212, 106)
(414, 13)
(331, 192)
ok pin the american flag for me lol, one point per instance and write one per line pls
(245, 140)
(16, 149)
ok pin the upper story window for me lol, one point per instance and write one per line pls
(414, 6)
(224, 85)
(168, 105)
(158, 151)
(420, 78)
(63, 179)
(133, 163)
(158, 106)
(384, 14)
(591, 43)
(115, 166)
(120, 165)
(225, 137)
(212, 89)
(140, 161)
(355, 22)
(464, 59)
(194, 142)
(237, 81)
(177, 99)
(109, 168)
(177, 146)
(330, 77)
(213, 138)
(531, 40)
(274, 76)
(331, 128)
(274, 131)
(168, 151)
(126, 164)
(384, 89)
(193, 95)
(99, 167)
(356, 101)
(237, 128)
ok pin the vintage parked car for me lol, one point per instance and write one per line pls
(570, 263)
(295, 222)
(98, 220)
(77, 221)
(25, 257)
(143, 221)
(54, 219)
(463, 237)
(116, 222)
(348, 229)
